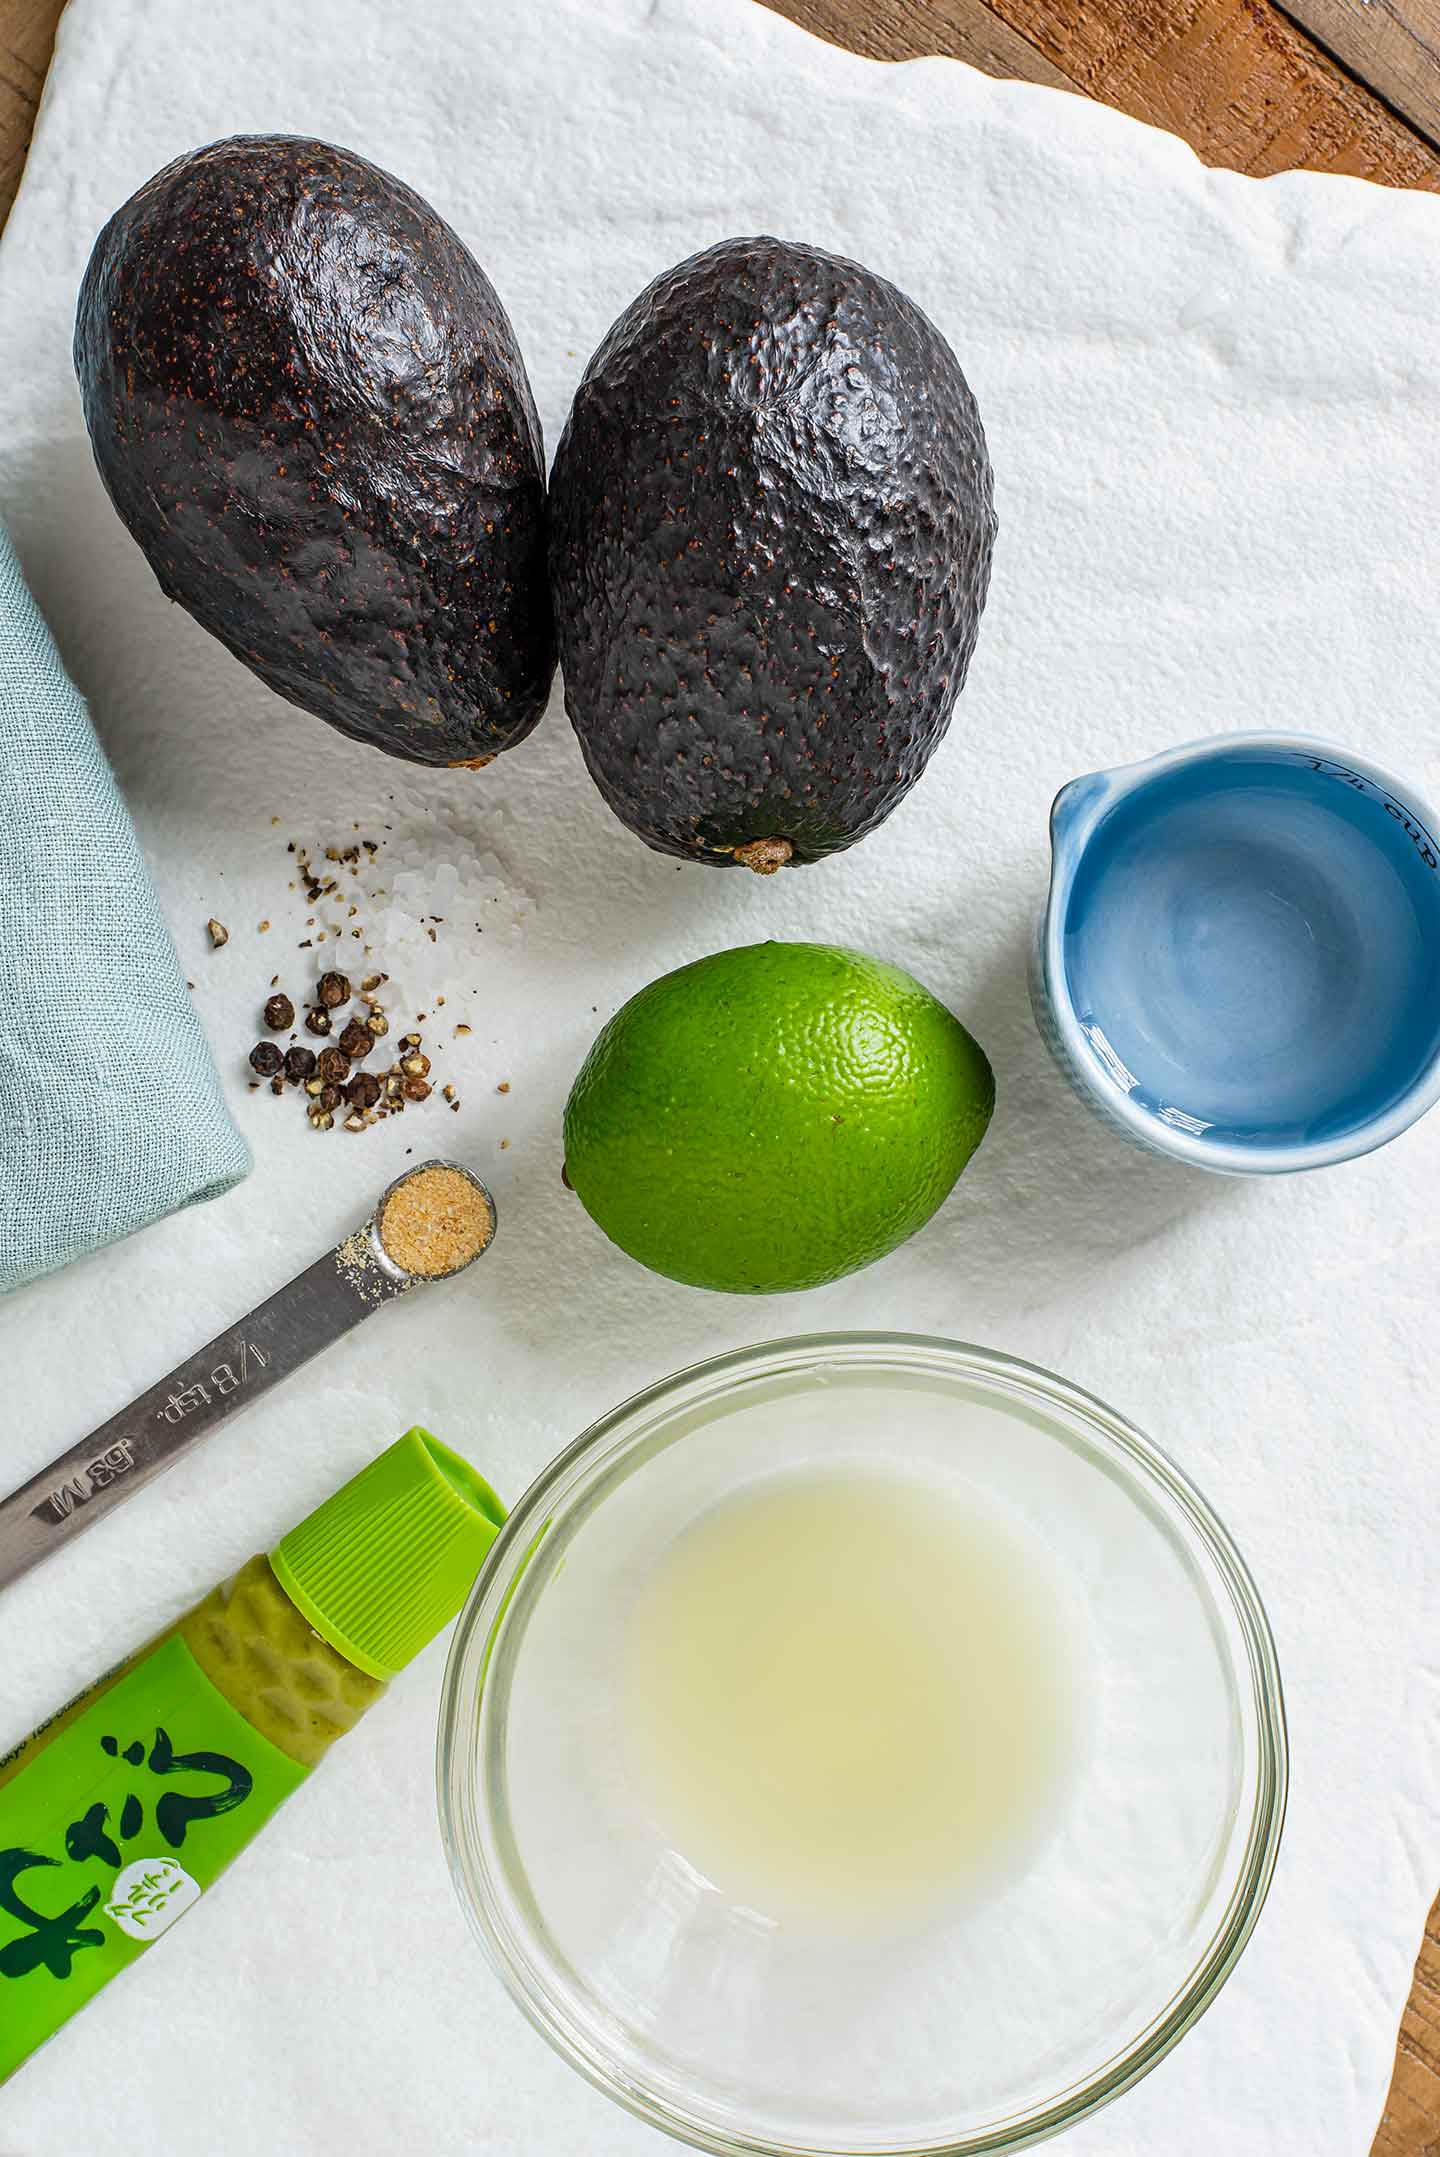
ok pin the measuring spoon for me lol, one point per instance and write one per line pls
(227, 1374)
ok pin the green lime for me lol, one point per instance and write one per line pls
(773, 1117)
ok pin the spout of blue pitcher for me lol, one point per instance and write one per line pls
(1075, 811)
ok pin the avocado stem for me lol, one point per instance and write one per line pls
(764, 856)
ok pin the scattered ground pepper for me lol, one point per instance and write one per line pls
(435, 1222)
(219, 934)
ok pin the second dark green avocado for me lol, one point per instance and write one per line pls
(308, 405)
(770, 547)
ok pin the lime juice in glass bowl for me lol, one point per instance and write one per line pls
(863, 1744)
(847, 1695)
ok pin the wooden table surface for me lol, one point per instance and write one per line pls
(1331, 85)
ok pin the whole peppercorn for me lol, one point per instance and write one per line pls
(317, 1020)
(333, 1065)
(279, 1013)
(357, 1040)
(266, 1059)
(363, 1090)
(332, 990)
(299, 1064)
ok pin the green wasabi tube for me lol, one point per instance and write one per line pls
(119, 1812)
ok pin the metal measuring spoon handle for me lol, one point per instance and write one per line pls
(318, 1307)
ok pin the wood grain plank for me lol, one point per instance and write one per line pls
(1393, 45)
(1240, 81)
(1410, 2123)
(27, 34)
(1237, 79)
(911, 29)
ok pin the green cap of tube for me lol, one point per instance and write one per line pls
(384, 1565)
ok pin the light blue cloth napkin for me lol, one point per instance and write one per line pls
(111, 1112)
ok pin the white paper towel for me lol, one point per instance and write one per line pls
(1214, 411)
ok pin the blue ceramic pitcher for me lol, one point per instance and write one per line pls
(1239, 964)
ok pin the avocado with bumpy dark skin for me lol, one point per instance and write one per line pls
(308, 405)
(771, 529)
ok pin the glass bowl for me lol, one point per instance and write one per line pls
(982, 2023)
